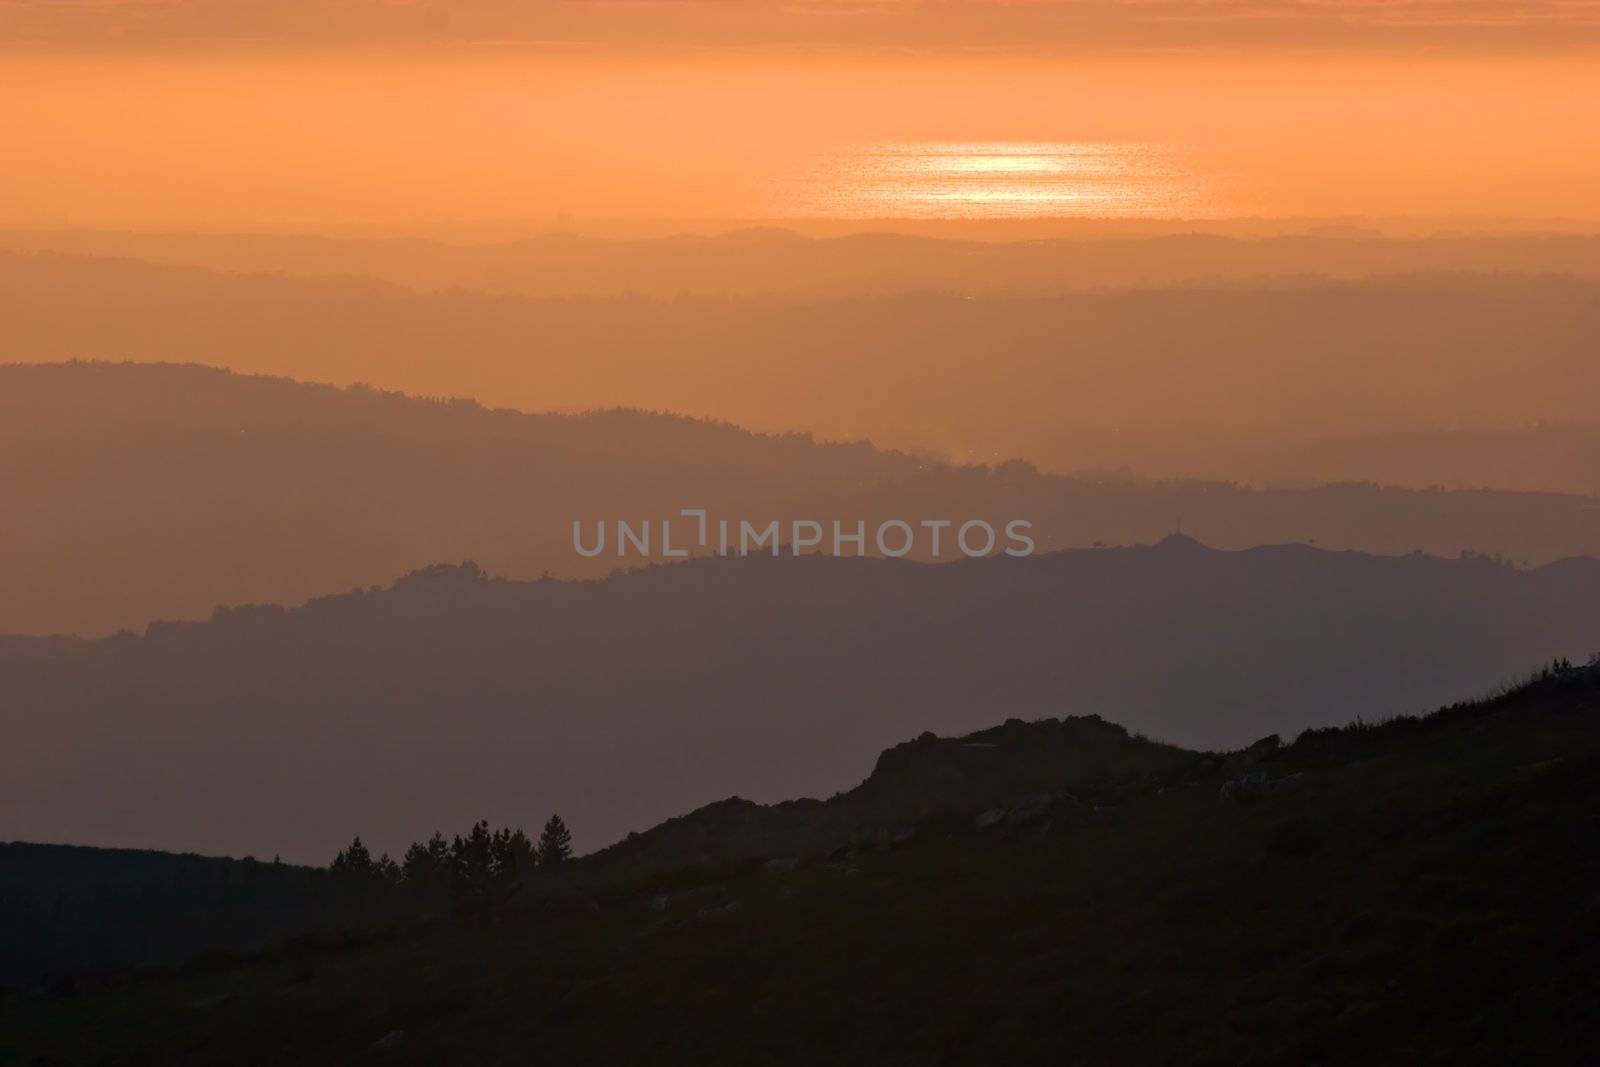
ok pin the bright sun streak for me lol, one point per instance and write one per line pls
(996, 180)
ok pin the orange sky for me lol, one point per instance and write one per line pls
(161, 114)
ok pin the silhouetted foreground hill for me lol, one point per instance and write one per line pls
(67, 911)
(450, 697)
(138, 492)
(1419, 891)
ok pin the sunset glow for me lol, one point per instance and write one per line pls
(317, 137)
(1000, 180)
(799, 532)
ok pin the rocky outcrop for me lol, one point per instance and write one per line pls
(1021, 771)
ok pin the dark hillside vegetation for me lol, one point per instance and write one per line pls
(1419, 891)
(69, 913)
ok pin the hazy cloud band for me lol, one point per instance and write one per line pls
(1492, 25)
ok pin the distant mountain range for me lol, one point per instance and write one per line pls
(142, 492)
(450, 696)
(1242, 380)
(777, 262)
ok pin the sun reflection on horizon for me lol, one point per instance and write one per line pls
(978, 179)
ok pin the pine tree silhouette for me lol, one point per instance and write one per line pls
(484, 868)
(555, 843)
(426, 865)
(472, 871)
(356, 866)
(354, 862)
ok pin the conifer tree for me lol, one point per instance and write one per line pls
(555, 843)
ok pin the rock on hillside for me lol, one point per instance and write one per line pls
(912, 782)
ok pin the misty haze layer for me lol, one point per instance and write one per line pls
(1475, 380)
(860, 261)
